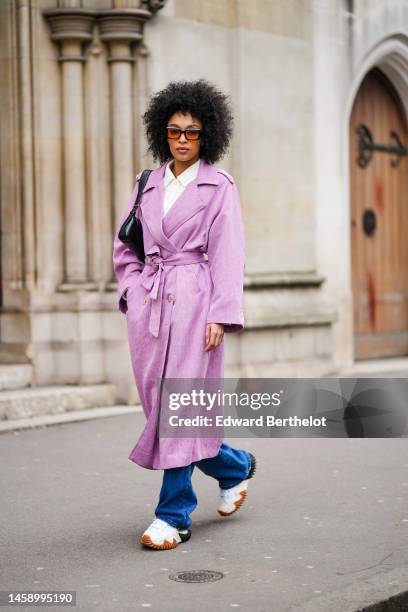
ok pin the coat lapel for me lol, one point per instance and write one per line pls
(151, 205)
(188, 204)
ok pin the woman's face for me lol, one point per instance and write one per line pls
(182, 149)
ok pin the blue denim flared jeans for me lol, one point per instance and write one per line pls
(177, 498)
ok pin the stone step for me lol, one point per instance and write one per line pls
(388, 367)
(74, 416)
(15, 376)
(40, 401)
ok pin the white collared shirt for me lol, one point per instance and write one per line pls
(175, 185)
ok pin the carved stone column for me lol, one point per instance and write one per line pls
(122, 30)
(72, 29)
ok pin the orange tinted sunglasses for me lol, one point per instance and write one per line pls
(174, 133)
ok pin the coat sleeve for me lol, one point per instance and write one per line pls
(126, 264)
(226, 258)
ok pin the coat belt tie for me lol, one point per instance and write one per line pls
(153, 282)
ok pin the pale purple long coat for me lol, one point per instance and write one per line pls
(168, 306)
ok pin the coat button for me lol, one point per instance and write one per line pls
(170, 297)
(145, 299)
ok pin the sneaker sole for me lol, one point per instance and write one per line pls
(147, 541)
(237, 505)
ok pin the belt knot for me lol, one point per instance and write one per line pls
(152, 281)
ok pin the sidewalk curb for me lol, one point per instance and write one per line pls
(67, 417)
(383, 592)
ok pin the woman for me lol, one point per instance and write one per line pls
(179, 303)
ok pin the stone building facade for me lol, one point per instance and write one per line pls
(75, 78)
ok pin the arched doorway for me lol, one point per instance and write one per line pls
(379, 219)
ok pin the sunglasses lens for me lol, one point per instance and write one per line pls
(192, 134)
(173, 133)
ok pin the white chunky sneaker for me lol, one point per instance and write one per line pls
(232, 499)
(161, 535)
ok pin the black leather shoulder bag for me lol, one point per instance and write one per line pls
(131, 232)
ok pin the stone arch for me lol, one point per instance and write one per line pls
(391, 57)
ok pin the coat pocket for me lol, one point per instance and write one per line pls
(198, 276)
(134, 282)
(137, 298)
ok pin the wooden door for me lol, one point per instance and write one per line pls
(379, 220)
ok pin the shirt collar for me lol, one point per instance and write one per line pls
(185, 177)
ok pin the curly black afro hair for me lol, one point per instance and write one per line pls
(202, 100)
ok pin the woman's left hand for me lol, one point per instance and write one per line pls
(214, 334)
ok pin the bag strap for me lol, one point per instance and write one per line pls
(142, 184)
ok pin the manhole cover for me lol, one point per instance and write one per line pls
(196, 576)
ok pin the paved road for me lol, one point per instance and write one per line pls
(325, 520)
